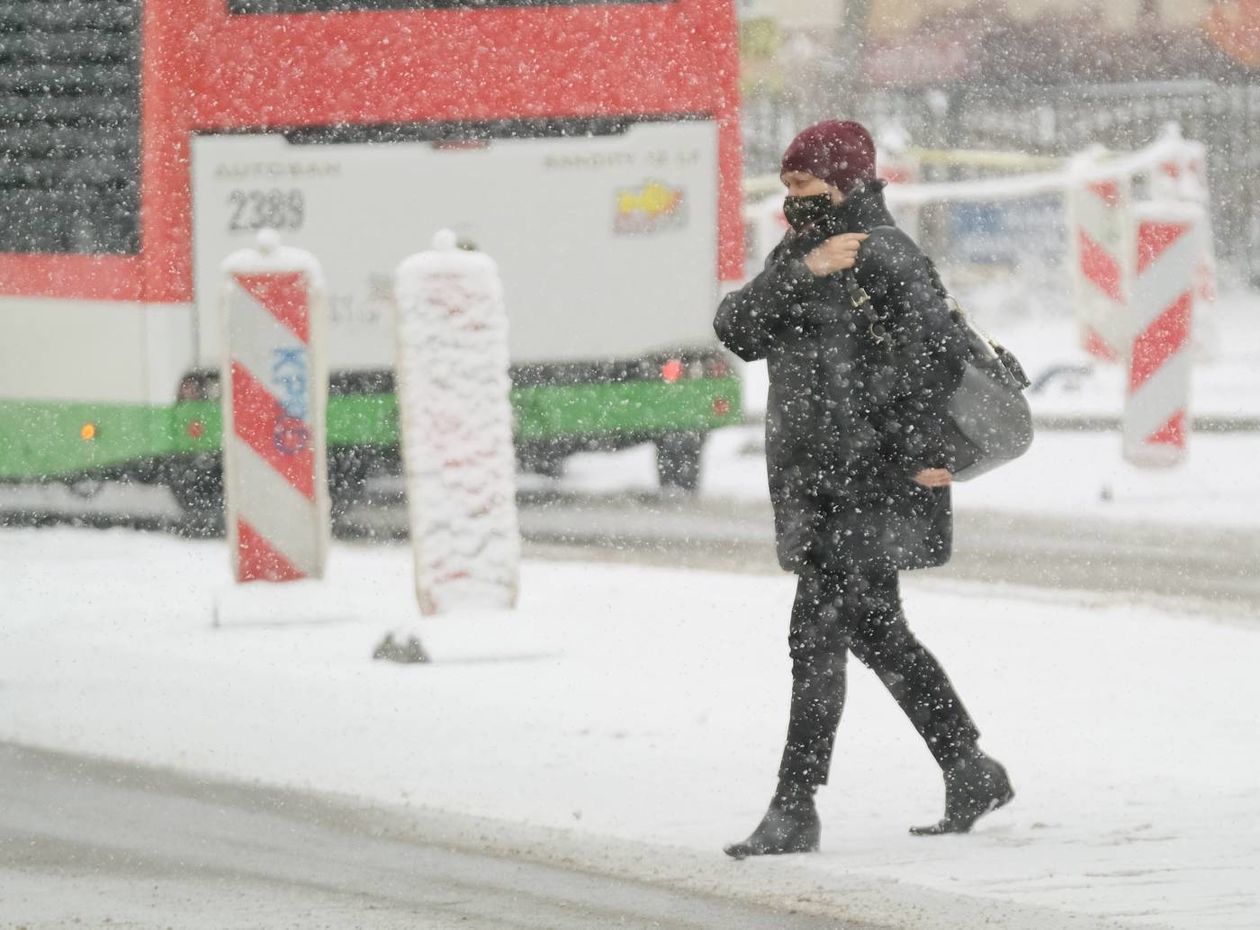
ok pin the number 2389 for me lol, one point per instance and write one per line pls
(258, 209)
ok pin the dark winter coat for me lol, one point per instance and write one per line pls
(850, 420)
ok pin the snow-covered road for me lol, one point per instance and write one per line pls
(641, 706)
(91, 843)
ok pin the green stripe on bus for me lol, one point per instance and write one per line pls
(44, 439)
(631, 407)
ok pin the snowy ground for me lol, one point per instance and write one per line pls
(627, 705)
(647, 705)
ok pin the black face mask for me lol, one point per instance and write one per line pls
(803, 212)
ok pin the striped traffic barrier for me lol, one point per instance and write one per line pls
(459, 461)
(1101, 241)
(1155, 421)
(274, 400)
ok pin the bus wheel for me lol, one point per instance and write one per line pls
(347, 479)
(198, 489)
(540, 460)
(678, 461)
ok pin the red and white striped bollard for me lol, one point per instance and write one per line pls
(1102, 249)
(274, 399)
(1156, 410)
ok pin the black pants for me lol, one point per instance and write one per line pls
(859, 610)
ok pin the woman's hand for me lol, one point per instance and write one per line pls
(836, 254)
(934, 478)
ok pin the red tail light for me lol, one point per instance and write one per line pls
(672, 370)
(716, 367)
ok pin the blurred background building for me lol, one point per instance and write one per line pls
(1046, 77)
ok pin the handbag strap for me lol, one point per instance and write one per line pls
(861, 302)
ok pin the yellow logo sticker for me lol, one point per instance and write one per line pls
(650, 208)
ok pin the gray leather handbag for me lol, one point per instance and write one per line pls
(988, 417)
(989, 412)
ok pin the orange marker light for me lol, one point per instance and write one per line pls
(87, 432)
(672, 370)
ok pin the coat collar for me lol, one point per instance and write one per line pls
(864, 209)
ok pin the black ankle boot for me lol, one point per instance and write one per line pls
(974, 785)
(790, 826)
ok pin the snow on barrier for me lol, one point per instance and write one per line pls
(276, 386)
(1155, 411)
(456, 419)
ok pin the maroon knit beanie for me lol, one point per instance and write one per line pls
(841, 153)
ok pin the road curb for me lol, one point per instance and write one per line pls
(1082, 423)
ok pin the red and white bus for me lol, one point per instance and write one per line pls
(592, 148)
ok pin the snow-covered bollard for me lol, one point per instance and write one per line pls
(1100, 227)
(275, 389)
(1156, 406)
(456, 419)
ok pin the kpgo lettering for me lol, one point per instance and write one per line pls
(290, 379)
(289, 376)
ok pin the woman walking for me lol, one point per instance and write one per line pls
(862, 354)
